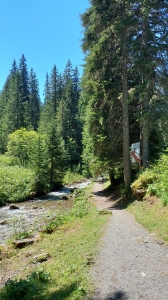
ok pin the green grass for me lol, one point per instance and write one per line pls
(152, 215)
(71, 177)
(106, 184)
(72, 249)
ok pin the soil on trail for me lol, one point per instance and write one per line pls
(131, 263)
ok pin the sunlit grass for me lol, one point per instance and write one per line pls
(152, 215)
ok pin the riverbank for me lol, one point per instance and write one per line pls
(31, 215)
(69, 250)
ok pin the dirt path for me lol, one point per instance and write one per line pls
(131, 263)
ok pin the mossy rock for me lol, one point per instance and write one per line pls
(105, 212)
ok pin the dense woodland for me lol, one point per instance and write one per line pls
(88, 124)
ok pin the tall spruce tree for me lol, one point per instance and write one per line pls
(25, 82)
(14, 109)
(68, 111)
(105, 80)
(34, 100)
(54, 79)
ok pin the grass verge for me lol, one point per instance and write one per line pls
(70, 248)
(152, 215)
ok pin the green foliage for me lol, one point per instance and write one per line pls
(44, 153)
(21, 144)
(6, 160)
(19, 289)
(16, 183)
(80, 209)
(160, 186)
(147, 177)
(154, 180)
(59, 218)
(25, 289)
(80, 206)
(71, 177)
(19, 227)
(131, 65)
(39, 276)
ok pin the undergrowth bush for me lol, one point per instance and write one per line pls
(160, 186)
(59, 218)
(80, 206)
(25, 289)
(154, 180)
(145, 178)
(71, 177)
(6, 160)
(16, 183)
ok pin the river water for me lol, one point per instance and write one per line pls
(33, 214)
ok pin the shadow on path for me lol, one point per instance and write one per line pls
(120, 295)
(114, 197)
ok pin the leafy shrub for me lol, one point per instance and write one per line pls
(160, 185)
(154, 180)
(80, 206)
(25, 289)
(19, 289)
(6, 160)
(146, 178)
(16, 183)
(59, 219)
(71, 177)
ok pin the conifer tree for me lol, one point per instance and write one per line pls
(15, 112)
(25, 82)
(14, 67)
(54, 89)
(34, 100)
(46, 92)
(125, 44)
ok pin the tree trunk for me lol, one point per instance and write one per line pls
(145, 102)
(126, 142)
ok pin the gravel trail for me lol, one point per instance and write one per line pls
(131, 263)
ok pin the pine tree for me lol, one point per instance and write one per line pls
(54, 89)
(14, 109)
(102, 80)
(34, 100)
(25, 82)
(125, 44)
(14, 67)
(68, 110)
(46, 92)
(56, 154)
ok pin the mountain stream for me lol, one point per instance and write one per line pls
(33, 214)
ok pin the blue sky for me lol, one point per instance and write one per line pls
(47, 32)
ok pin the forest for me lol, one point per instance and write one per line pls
(87, 125)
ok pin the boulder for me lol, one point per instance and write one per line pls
(25, 242)
(3, 222)
(41, 257)
(13, 206)
(105, 212)
(139, 193)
